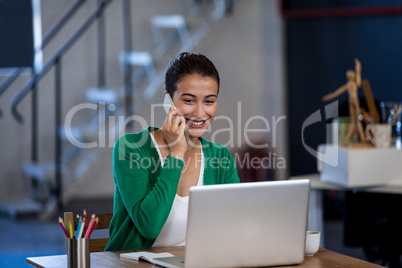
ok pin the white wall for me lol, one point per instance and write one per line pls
(246, 47)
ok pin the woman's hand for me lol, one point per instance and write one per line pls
(173, 132)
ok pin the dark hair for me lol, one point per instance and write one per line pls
(186, 64)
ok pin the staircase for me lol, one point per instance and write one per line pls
(53, 180)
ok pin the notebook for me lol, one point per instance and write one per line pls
(245, 225)
(146, 256)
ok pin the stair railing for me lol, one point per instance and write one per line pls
(19, 70)
(55, 61)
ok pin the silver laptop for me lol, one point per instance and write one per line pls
(245, 225)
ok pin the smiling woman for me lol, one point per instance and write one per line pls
(151, 201)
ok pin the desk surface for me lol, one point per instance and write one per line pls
(316, 183)
(323, 258)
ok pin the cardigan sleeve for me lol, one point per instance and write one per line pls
(148, 201)
(231, 175)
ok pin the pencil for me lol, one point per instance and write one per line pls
(71, 231)
(78, 227)
(81, 231)
(85, 220)
(64, 228)
(90, 226)
(94, 227)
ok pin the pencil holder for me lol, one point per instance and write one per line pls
(78, 253)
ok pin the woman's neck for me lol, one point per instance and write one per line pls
(193, 143)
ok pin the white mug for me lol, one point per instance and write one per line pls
(379, 135)
(312, 243)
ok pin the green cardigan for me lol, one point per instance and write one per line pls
(145, 190)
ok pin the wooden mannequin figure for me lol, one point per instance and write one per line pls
(352, 86)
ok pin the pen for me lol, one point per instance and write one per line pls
(64, 228)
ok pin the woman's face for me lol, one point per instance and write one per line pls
(196, 98)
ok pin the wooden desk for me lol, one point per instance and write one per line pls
(323, 258)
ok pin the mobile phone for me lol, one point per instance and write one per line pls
(168, 102)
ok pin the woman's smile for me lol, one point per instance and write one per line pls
(196, 123)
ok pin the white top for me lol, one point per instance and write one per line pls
(173, 232)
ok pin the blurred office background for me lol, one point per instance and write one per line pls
(72, 72)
